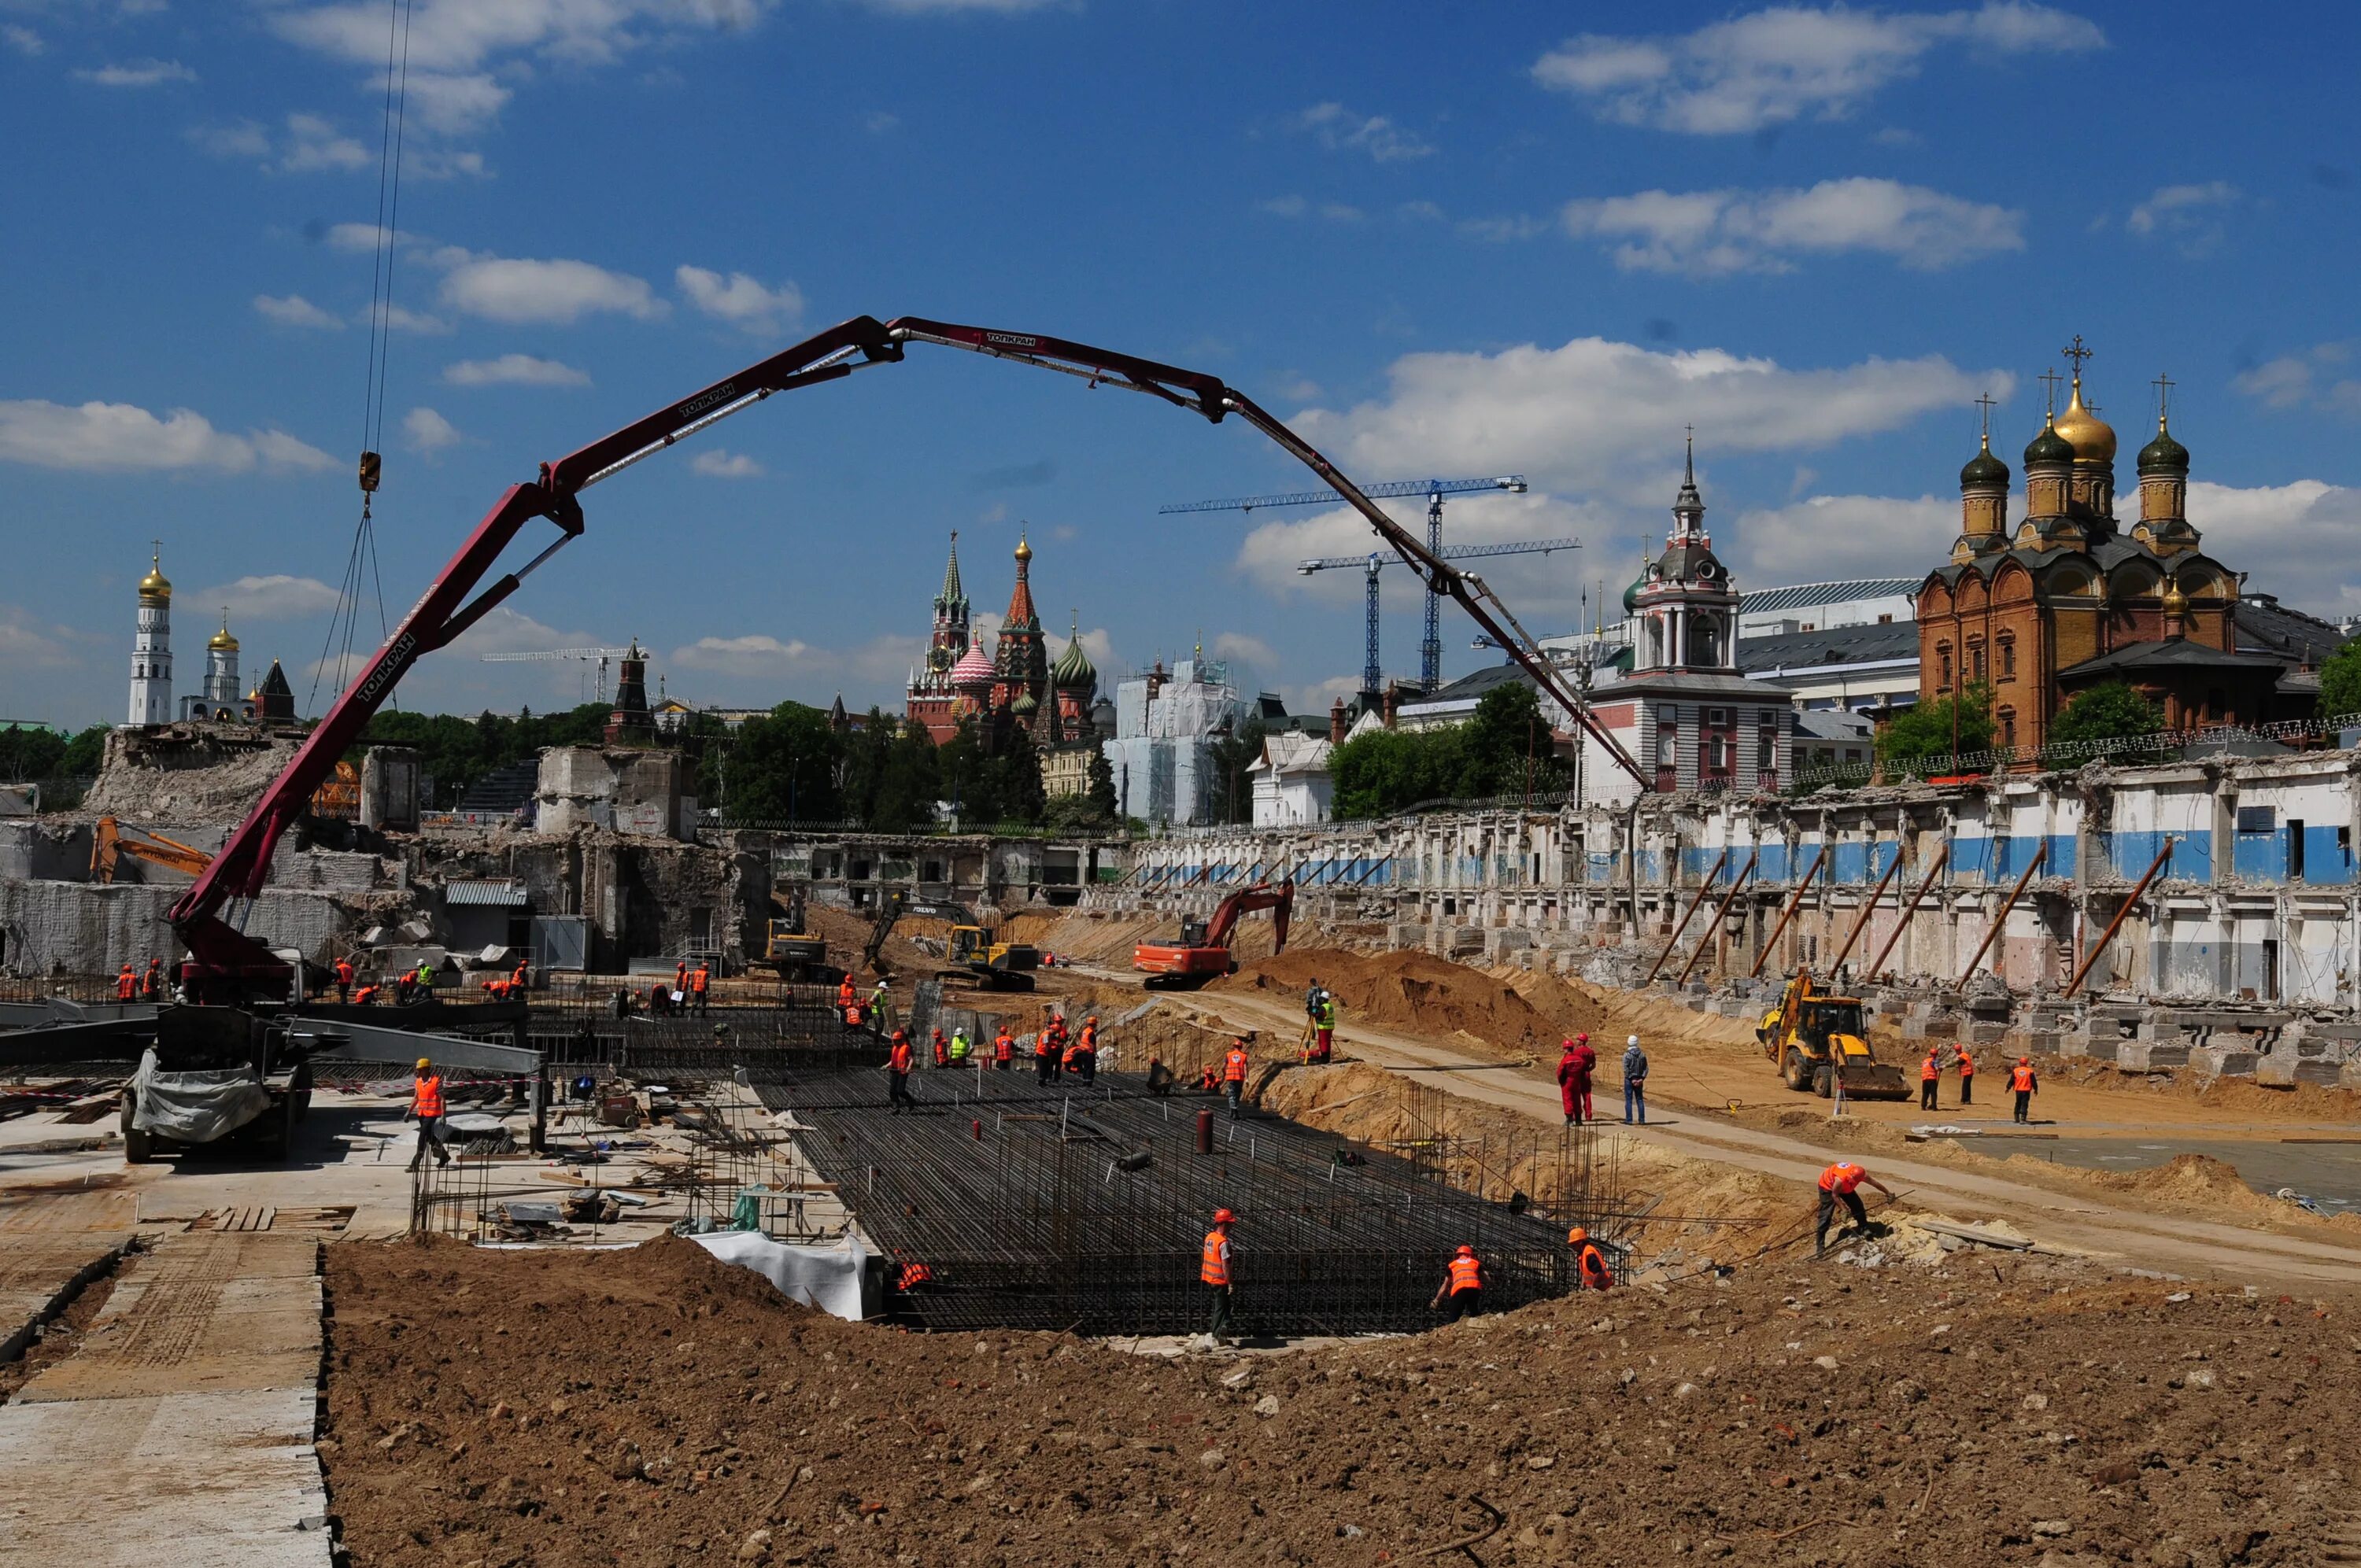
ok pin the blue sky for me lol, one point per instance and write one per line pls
(1453, 240)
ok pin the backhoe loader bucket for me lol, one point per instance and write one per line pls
(1873, 1080)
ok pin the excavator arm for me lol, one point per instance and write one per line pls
(110, 840)
(222, 958)
(1280, 900)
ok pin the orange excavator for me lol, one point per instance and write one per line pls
(1203, 950)
(111, 841)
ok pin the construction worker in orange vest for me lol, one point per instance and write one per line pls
(1233, 1074)
(699, 978)
(343, 978)
(1214, 1272)
(366, 995)
(1930, 1073)
(1083, 1058)
(151, 985)
(898, 1069)
(1839, 1182)
(1003, 1049)
(1590, 1261)
(1967, 1075)
(426, 1105)
(1046, 1050)
(844, 999)
(1463, 1287)
(942, 1047)
(2025, 1086)
(516, 978)
(127, 984)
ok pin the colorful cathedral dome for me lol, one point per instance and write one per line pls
(973, 669)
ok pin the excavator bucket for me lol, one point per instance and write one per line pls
(1866, 1077)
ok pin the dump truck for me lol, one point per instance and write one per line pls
(1817, 1041)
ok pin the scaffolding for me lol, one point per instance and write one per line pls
(1083, 1210)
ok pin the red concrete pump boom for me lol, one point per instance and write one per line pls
(224, 959)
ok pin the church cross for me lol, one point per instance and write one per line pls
(1985, 404)
(2078, 354)
(2163, 385)
(2049, 379)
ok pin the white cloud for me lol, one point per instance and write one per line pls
(1715, 233)
(740, 301)
(456, 102)
(1502, 231)
(359, 239)
(877, 122)
(1574, 416)
(719, 465)
(275, 598)
(294, 309)
(558, 291)
(1247, 647)
(137, 73)
(399, 318)
(2190, 217)
(462, 36)
(99, 438)
(1840, 536)
(315, 144)
(760, 657)
(25, 641)
(1339, 130)
(513, 370)
(429, 431)
(240, 139)
(2300, 540)
(1787, 62)
(2315, 377)
(24, 41)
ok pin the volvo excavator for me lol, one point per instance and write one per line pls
(1818, 1042)
(1203, 951)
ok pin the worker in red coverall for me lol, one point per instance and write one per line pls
(1574, 1071)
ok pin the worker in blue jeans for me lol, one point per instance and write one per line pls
(1635, 1082)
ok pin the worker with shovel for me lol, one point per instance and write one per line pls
(1840, 1183)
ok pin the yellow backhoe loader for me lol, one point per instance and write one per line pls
(1817, 1041)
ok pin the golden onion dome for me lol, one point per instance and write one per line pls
(1023, 550)
(2175, 601)
(155, 586)
(2092, 438)
(222, 641)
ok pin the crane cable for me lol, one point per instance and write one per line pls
(361, 560)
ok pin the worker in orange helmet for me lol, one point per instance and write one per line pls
(1085, 1056)
(1930, 1073)
(426, 1105)
(845, 998)
(1574, 1071)
(1967, 1074)
(699, 978)
(2025, 1086)
(1838, 1183)
(127, 984)
(1463, 1287)
(1595, 1272)
(151, 985)
(1003, 1049)
(1048, 1046)
(343, 978)
(897, 1065)
(1233, 1074)
(942, 1047)
(1214, 1272)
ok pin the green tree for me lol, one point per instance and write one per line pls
(2112, 712)
(30, 753)
(1101, 792)
(1233, 753)
(970, 782)
(779, 767)
(84, 753)
(1016, 780)
(866, 752)
(1918, 741)
(2340, 682)
(1387, 770)
(1506, 749)
(909, 782)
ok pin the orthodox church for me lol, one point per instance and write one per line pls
(2069, 598)
(1014, 686)
(1684, 713)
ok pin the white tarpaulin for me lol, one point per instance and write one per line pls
(194, 1107)
(828, 1278)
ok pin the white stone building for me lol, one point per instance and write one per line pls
(151, 650)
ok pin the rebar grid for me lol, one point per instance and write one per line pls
(1031, 1207)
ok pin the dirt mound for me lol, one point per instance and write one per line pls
(657, 1406)
(191, 782)
(1414, 992)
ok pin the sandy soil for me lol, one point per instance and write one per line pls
(658, 1408)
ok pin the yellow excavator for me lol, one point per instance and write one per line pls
(111, 840)
(1817, 1041)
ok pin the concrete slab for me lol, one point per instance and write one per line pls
(200, 1480)
(205, 1312)
(41, 1274)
